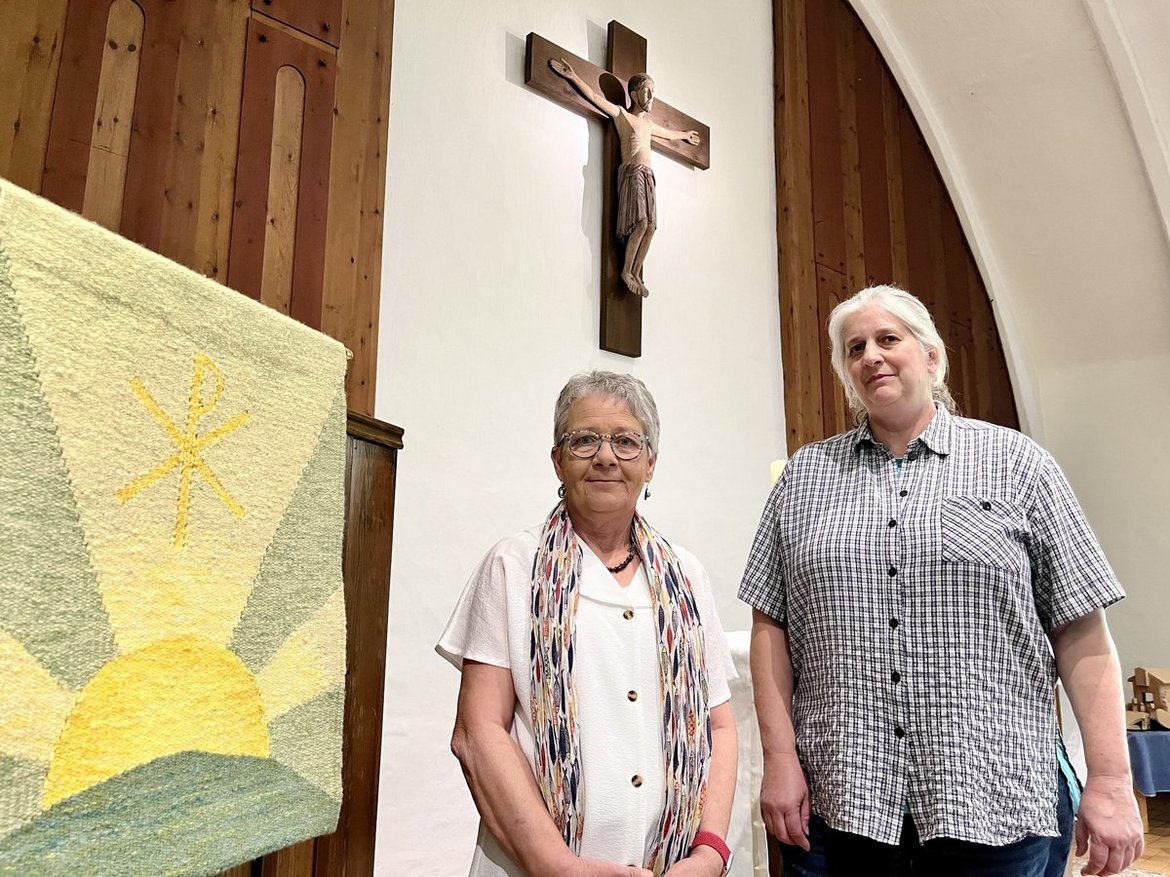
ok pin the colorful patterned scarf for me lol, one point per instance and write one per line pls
(686, 723)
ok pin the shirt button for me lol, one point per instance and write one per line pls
(899, 732)
(636, 781)
(986, 505)
(903, 493)
(632, 695)
(892, 523)
(893, 622)
(895, 676)
(893, 571)
(628, 614)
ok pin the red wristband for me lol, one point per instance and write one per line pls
(715, 842)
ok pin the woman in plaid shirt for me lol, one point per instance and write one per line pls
(918, 584)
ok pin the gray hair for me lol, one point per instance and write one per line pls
(905, 307)
(627, 388)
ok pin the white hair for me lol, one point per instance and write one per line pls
(913, 313)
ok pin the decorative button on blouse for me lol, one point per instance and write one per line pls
(632, 695)
(636, 780)
(628, 614)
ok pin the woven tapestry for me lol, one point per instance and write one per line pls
(172, 624)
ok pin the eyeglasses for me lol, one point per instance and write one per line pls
(585, 444)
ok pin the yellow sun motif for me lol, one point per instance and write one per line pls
(175, 602)
(190, 445)
(172, 696)
(181, 694)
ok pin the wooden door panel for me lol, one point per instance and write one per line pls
(255, 229)
(149, 116)
(67, 157)
(109, 145)
(317, 18)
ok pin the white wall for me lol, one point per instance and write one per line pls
(490, 302)
(490, 296)
(1031, 111)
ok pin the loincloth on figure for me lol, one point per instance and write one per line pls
(636, 198)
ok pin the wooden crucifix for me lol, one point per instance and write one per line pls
(621, 309)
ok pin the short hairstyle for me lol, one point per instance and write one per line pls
(913, 313)
(636, 82)
(627, 388)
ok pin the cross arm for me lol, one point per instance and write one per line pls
(667, 116)
(540, 77)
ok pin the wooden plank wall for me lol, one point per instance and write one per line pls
(30, 57)
(161, 120)
(861, 202)
(245, 139)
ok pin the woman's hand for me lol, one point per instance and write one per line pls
(1108, 826)
(598, 868)
(784, 800)
(702, 862)
(784, 790)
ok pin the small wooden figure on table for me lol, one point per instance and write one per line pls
(637, 207)
(1151, 699)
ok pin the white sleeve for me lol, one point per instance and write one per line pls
(478, 627)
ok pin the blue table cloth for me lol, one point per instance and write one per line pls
(1149, 757)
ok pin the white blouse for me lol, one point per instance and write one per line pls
(619, 705)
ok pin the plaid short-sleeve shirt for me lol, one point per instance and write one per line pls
(917, 606)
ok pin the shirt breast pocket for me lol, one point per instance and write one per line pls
(984, 531)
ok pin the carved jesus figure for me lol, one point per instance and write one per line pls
(637, 215)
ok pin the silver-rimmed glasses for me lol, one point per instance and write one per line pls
(585, 443)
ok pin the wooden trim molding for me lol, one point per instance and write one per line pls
(373, 430)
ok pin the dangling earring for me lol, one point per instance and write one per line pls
(646, 492)
(561, 490)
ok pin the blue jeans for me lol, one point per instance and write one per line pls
(840, 854)
(1060, 846)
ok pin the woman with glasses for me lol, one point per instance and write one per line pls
(594, 726)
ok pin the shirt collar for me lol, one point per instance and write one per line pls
(936, 437)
